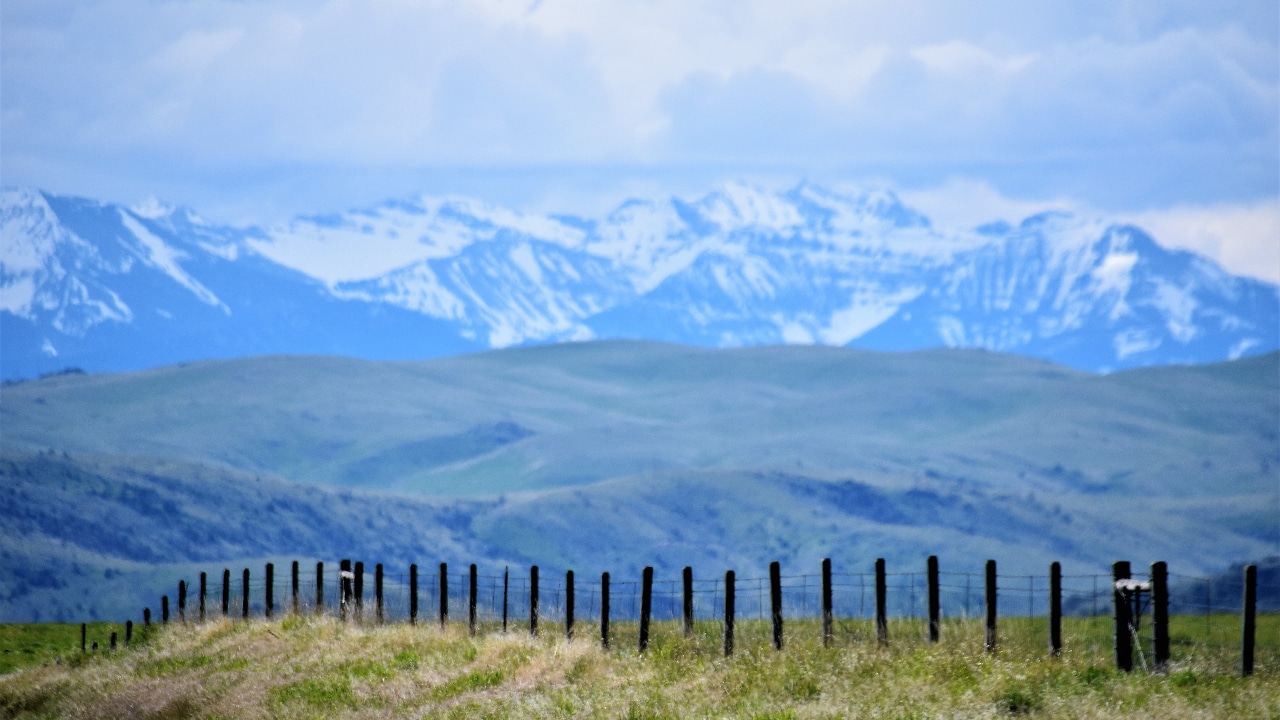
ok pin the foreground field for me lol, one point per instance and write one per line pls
(317, 667)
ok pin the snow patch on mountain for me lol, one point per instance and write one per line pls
(166, 259)
(738, 266)
(38, 263)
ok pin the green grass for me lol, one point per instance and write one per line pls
(33, 645)
(317, 668)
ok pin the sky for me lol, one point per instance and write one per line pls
(1161, 112)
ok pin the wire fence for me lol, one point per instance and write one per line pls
(1204, 612)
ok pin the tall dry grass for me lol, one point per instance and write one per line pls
(319, 668)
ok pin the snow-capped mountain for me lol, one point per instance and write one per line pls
(106, 287)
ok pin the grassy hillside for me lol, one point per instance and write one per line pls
(612, 456)
(316, 667)
(574, 414)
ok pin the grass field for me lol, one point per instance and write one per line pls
(318, 667)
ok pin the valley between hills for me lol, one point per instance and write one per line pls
(619, 454)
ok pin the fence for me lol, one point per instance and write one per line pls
(1103, 610)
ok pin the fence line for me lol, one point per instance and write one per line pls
(374, 594)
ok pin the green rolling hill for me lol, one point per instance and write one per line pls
(614, 455)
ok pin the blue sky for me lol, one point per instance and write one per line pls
(251, 111)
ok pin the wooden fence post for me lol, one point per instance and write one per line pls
(828, 618)
(379, 608)
(646, 605)
(882, 612)
(533, 600)
(182, 601)
(775, 602)
(1055, 609)
(293, 586)
(164, 609)
(204, 580)
(935, 600)
(146, 617)
(359, 591)
(128, 632)
(730, 590)
(244, 608)
(84, 635)
(471, 603)
(1123, 639)
(444, 594)
(1160, 614)
(226, 592)
(604, 610)
(344, 588)
(568, 605)
(992, 637)
(113, 641)
(319, 588)
(1248, 619)
(506, 577)
(686, 606)
(413, 594)
(269, 594)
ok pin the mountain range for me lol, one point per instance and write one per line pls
(104, 287)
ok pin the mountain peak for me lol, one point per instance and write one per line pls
(741, 265)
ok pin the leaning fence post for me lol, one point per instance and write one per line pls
(293, 586)
(319, 588)
(686, 606)
(506, 577)
(1160, 614)
(568, 605)
(827, 615)
(646, 605)
(413, 594)
(1123, 639)
(244, 584)
(991, 635)
(444, 594)
(269, 596)
(729, 601)
(935, 601)
(378, 608)
(164, 609)
(604, 610)
(1248, 620)
(533, 600)
(359, 591)
(182, 601)
(1055, 609)
(226, 592)
(471, 602)
(203, 587)
(882, 613)
(775, 602)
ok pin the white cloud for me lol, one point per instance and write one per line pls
(1143, 103)
(1242, 237)
(966, 203)
(959, 57)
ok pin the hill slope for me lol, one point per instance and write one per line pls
(611, 456)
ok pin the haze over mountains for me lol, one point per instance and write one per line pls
(109, 288)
